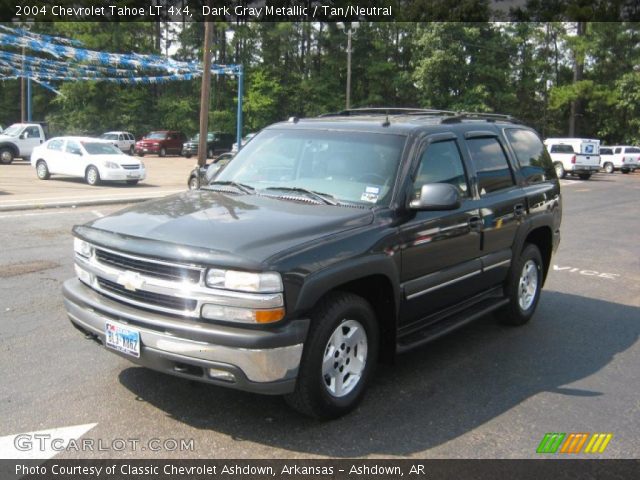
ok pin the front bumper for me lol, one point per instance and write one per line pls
(147, 148)
(260, 361)
(123, 174)
(190, 150)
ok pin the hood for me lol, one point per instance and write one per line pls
(4, 138)
(119, 159)
(234, 227)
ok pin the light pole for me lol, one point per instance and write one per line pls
(349, 32)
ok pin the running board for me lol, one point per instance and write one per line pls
(433, 331)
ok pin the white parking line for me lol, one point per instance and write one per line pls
(43, 444)
(97, 213)
(20, 215)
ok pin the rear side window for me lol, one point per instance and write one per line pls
(618, 150)
(606, 151)
(441, 163)
(491, 164)
(535, 163)
(562, 149)
(632, 150)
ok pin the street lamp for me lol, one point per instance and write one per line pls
(349, 32)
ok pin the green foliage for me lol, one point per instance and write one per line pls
(299, 69)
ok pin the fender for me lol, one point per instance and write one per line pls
(14, 148)
(322, 282)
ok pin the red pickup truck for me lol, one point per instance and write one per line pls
(162, 142)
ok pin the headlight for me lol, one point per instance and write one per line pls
(111, 165)
(82, 248)
(244, 281)
(141, 164)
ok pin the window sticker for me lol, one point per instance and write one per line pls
(370, 194)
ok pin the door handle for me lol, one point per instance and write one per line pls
(475, 224)
(518, 210)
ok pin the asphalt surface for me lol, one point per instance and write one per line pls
(486, 391)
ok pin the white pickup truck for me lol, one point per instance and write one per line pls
(620, 157)
(19, 140)
(574, 156)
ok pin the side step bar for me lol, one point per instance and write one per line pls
(437, 330)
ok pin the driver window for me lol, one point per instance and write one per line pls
(441, 163)
(31, 132)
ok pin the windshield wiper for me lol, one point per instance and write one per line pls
(240, 186)
(322, 197)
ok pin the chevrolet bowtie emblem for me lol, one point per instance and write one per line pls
(130, 280)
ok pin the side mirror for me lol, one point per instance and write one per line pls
(437, 196)
(23, 135)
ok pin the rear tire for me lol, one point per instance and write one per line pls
(626, 170)
(338, 359)
(6, 156)
(42, 170)
(140, 154)
(131, 150)
(92, 176)
(523, 287)
(608, 167)
(559, 168)
(187, 155)
(194, 184)
(584, 176)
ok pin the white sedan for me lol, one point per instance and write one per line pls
(91, 158)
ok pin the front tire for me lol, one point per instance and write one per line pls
(523, 287)
(92, 176)
(42, 170)
(163, 152)
(339, 357)
(132, 182)
(209, 153)
(608, 167)
(131, 150)
(6, 156)
(559, 168)
(194, 184)
(625, 170)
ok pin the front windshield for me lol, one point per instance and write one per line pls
(13, 130)
(97, 148)
(350, 166)
(156, 135)
(109, 136)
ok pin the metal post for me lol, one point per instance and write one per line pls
(29, 103)
(349, 69)
(239, 119)
(23, 105)
(205, 93)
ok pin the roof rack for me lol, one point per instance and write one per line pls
(492, 117)
(351, 112)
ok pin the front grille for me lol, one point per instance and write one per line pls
(130, 166)
(153, 299)
(151, 269)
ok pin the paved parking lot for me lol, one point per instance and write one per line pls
(19, 186)
(485, 391)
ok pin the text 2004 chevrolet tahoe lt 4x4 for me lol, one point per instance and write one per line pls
(325, 246)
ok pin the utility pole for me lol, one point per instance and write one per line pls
(352, 28)
(205, 93)
(578, 70)
(23, 96)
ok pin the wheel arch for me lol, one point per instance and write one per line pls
(541, 237)
(11, 146)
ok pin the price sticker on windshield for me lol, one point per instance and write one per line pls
(370, 194)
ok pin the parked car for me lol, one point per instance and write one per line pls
(203, 175)
(162, 143)
(19, 140)
(217, 143)
(620, 157)
(574, 156)
(245, 140)
(325, 245)
(95, 160)
(125, 141)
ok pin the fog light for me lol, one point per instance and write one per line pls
(222, 375)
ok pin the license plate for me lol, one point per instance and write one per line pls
(132, 175)
(145, 149)
(123, 339)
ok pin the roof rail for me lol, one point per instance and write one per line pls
(458, 116)
(387, 111)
